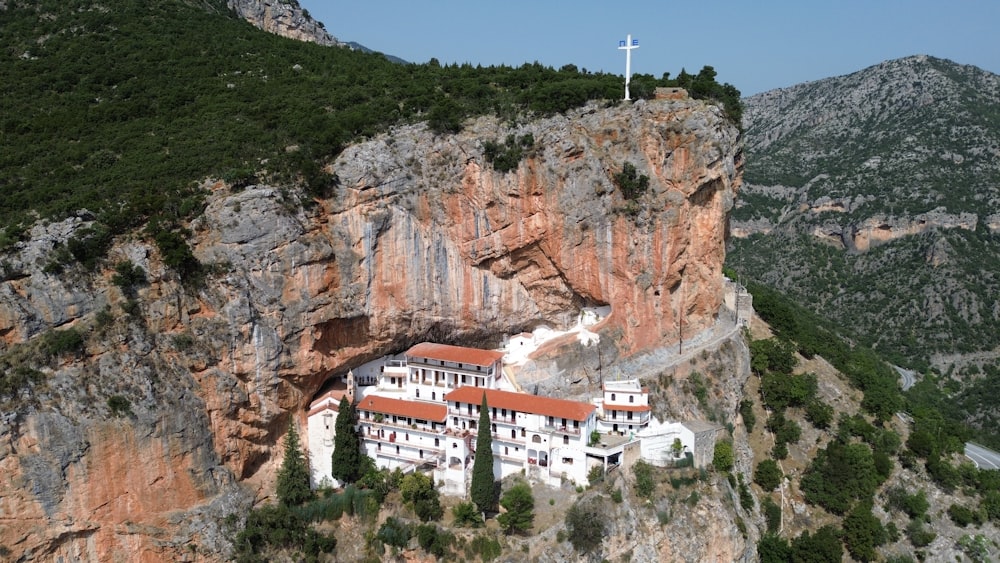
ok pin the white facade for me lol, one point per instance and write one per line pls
(624, 408)
(424, 414)
(320, 432)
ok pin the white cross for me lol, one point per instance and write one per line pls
(628, 45)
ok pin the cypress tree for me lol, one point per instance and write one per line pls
(483, 488)
(293, 477)
(346, 445)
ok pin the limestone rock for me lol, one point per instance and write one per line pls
(422, 241)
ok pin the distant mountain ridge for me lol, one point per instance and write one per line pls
(873, 199)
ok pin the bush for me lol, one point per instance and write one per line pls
(119, 406)
(419, 493)
(585, 524)
(822, 546)
(918, 536)
(394, 532)
(278, 527)
(962, 516)
(768, 475)
(520, 505)
(486, 548)
(722, 460)
(819, 414)
(630, 182)
(772, 514)
(644, 483)
(746, 412)
(61, 342)
(466, 515)
(434, 541)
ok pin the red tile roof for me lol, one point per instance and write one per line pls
(421, 410)
(522, 402)
(321, 408)
(457, 354)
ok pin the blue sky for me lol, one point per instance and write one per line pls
(755, 46)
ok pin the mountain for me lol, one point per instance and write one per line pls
(204, 222)
(872, 198)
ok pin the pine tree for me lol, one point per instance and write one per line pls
(346, 446)
(520, 505)
(293, 477)
(483, 487)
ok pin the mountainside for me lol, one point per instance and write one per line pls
(873, 198)
(147, 396)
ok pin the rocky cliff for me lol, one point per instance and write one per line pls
(152, 411)
(287, 19)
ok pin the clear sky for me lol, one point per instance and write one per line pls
(754, 45)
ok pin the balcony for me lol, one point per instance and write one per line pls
(562, 430)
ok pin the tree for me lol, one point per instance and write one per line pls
(723, 458)
(644, 483)
(768, 474)
(347, 464)
(419, 493)
(821, 547)
(863, 532)
(293, 477)
(483, 486)
(520, 505)
(585, 522)
(773, 549)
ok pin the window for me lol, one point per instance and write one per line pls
(433, 395)
(407, 436)
(631, 398)
(397, 450)
(612, 396)
(421, 454)
(418, 393)
(506, 450)
(536, 439)
(437, 442)
(567, 461)
(513, 433)
(522, 432)
(629, 415)
(565, 439)
(494, 428)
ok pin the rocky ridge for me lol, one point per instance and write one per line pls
(422, 241)
(287, 19)
(878, 191)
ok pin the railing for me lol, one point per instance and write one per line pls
(561, 430)
(403, 425)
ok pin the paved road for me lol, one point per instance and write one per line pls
(984, 458)
(907, 377)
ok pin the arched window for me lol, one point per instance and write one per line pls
(536, 439)
(631, 398)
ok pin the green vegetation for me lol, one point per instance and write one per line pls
(119, 406)
(722, 459)
(839, 475)
(630, 182)
(768, 475)
(520, 506)
(585, 524)
(186, 90)
(293, 477)
(347, 455)
(466, 516)
(420, 494)
(644, 483)
(505, 157)
(483, 489)
(274, 528)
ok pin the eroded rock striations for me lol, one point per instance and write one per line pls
(136, 443)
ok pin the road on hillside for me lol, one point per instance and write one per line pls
(906, 376)
(984, 458)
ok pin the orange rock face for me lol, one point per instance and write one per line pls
(423, 240)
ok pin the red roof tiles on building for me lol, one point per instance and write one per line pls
(420, 410)
(457, 354)
(522, 402)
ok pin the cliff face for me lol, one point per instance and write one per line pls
(422, 241)
(287, 19)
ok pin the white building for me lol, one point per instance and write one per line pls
(624, 409)
(424, 413)
(545, 437)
